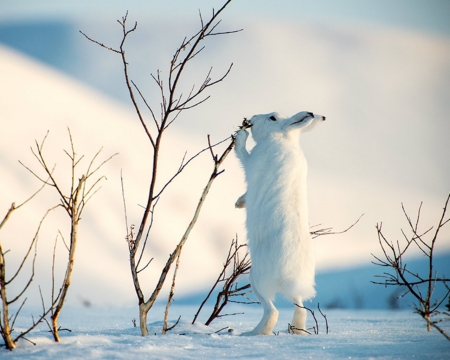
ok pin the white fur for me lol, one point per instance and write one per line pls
(278, 235)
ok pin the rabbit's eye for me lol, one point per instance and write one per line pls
(273, 118)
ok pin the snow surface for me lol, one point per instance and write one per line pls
(108, 333)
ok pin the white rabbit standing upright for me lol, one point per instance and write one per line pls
(278, 233)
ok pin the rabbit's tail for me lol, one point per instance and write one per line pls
(296, 291)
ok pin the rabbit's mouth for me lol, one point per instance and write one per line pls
(307, 116)
(245, 124)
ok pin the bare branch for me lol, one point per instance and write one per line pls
(99, 43)
(15, 207)
(403, 277)
(152, 212)
(17, 313)
(171, 293)
(33, 243)
(185, 164)
(316, 328)
(327, 231)
(236, 268)
(148, 107)
(124, 203)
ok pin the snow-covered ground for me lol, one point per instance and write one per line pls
(108, 333)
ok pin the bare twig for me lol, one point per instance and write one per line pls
(173, 326)
(172, 292)
(292, 329)
(32, 244)
(324, 316)
(184, 164)
(315, 328)
(15, 207)
(401, 276)
(328, 231)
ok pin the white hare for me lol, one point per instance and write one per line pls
(278, 234)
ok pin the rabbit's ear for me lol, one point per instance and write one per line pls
(300, 120)
(305, 121)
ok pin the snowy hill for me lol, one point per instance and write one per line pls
(385, 141)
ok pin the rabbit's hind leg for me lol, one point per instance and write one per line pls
(298, 325)
(269, 318)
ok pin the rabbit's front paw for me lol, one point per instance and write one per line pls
(240, 203)
(241, 137)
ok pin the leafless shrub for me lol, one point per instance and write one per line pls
(172, 103)
(420, 286)
(234, 267)
(73, 201)
(6, 321)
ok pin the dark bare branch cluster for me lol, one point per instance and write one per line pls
(420, 286)
(234, 267)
